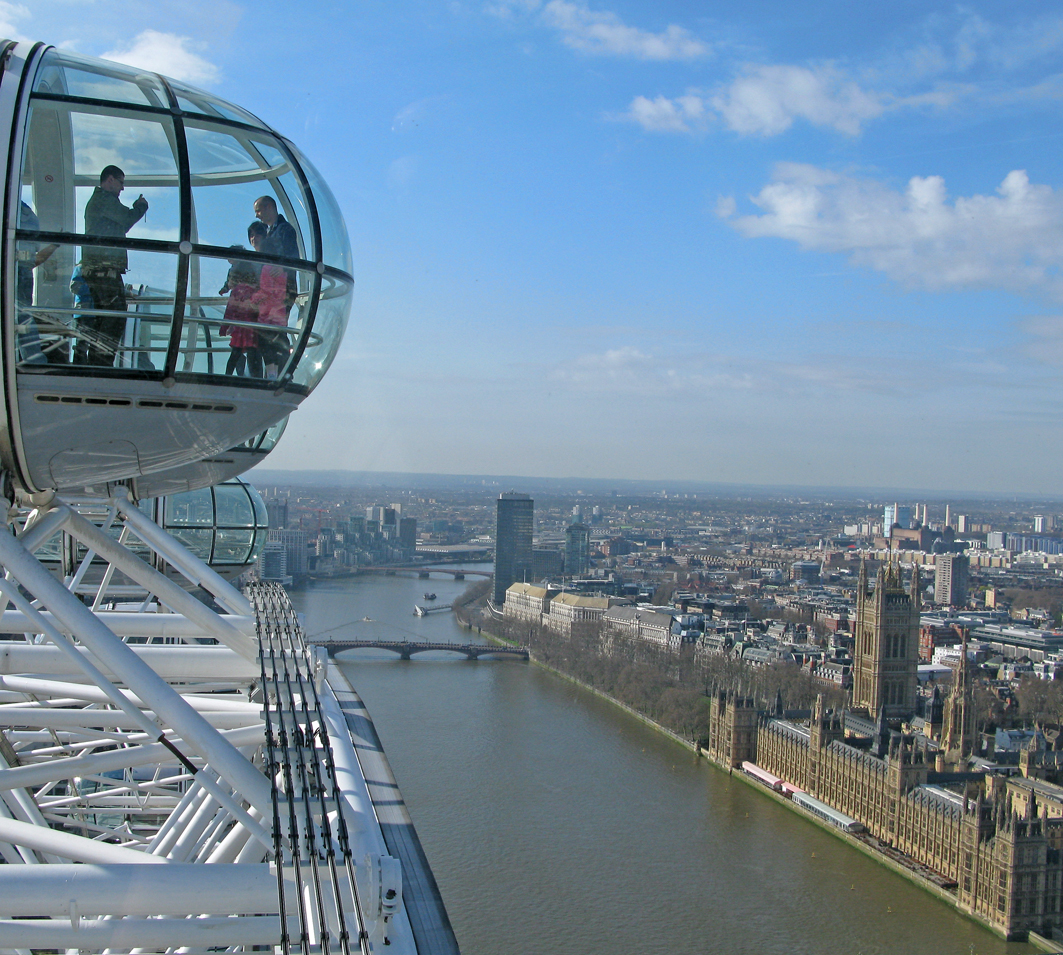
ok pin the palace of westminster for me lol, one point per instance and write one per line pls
(993, 831)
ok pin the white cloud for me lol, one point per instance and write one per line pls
(663, 115)
(602, 32)
(509, 9)
(918, 236)
(169, 54)
(765, 100)
(10, 14)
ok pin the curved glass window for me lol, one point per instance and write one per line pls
(335, 246)
(225, 525)
(192, 100)
(133, 187)
(65, 75)
(191, 509)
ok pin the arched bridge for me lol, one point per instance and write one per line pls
(458, 573)
(407, 648)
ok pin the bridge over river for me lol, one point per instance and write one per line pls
(458, 573)
(407, 648)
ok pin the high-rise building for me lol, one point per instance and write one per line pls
(408, 533)
(896, 514)
(1043, 524)
(577, 550)
(950, 580)
(513, 542)
(277, 512)
(295, 545)
(886, 652)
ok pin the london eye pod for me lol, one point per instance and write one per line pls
(118, 347)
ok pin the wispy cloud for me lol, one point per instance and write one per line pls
(1046, 338)
(768, 100)
(765, 100)
(959, 59)
(169, 54)
(602, 32)
(10, 15)
(918, 236)
(663, 115)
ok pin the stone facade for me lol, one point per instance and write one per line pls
(997, 841)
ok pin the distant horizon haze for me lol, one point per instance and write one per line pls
(494, 484)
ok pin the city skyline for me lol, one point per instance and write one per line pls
(801, 246)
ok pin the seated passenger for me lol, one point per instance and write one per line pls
(271, 297)
(99, 336)
(240, 285)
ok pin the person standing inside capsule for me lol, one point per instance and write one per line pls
(279, 231)
(102, 268)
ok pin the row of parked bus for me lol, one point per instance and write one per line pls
(801, 798)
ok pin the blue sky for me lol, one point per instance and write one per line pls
(795, 243)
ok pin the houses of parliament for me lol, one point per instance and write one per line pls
(992, 833)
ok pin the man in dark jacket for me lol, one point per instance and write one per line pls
(102, 269)
(281, 233)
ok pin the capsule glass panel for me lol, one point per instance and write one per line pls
(192, 100)
(68, 314)
(333, 308)
(226, 524)
(191, 509)
(335, 246)
(233, 506)
(230, 169)
(62, 74)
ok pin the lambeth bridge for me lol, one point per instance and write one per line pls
(407, 648)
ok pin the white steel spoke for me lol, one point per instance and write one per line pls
(138, 743)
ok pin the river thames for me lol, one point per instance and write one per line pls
(557, 823)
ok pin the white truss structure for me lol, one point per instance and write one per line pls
(172, 778)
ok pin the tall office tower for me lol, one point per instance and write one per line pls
(896, 514)
(577, 514)
(277, 512)
(1043, 524)
(577, 550)
(375, 513)
(408, 533)
(962, 523)
(886, 653)
(513, 542)
(295, 544)
(950, 580)
(948, 515)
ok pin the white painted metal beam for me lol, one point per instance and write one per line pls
(108, 889)
(171, 663)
